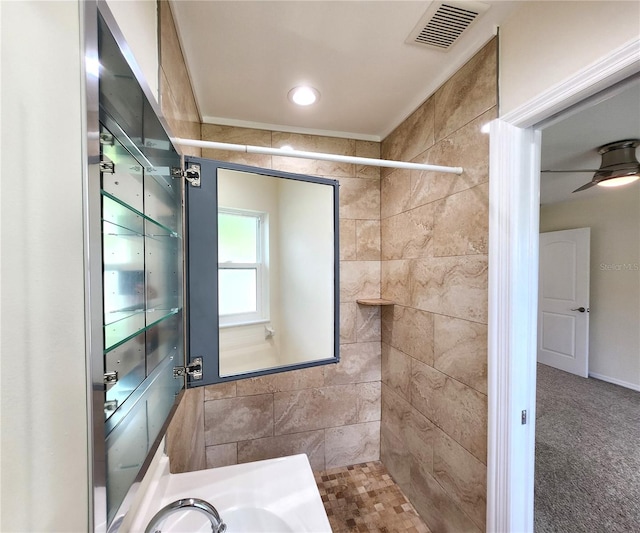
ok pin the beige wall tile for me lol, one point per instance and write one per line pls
(172, 63)
(347, 445)
(462, 414)
(233, 135)
(408, 234)
(220, 390)
(396, 371)
(457, 409)
(369, 149)
(468, 93)
(462, 476)
(395, 193)
(368, 401)
(348, 314)
(460, 350)
(311, 409)
(368, 240)
(426, 389)
(413, 136)
(177, 119)
(359, 279)
(222, 455)
(368, 323)
(234, 419)
(185, 435)
(435, 506)
(468, 148)
(414, 430)
(396, 410)
(359, 362)
(395, 457)
(348, 249)
(409, 330)
(305, 378)
(310, 443)
(453, 286)
(395, 284)
(359, 198)
(461, 223)
(419, 431)
(314, 143)
(437, 270)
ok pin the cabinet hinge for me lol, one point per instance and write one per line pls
(107, 166)
(106, 139)
(193, 369)
(191, 174)
(110, 378)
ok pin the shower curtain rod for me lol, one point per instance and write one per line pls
(284, 152)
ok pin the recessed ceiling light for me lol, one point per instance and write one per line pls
(304, 95)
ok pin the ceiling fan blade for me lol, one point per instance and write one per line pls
(585, 186)
(573, 171)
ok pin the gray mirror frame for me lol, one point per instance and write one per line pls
(201, 261)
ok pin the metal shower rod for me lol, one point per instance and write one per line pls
(284, 152)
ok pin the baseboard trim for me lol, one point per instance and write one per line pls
(615, 381)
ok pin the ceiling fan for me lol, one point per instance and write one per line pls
(619, 165)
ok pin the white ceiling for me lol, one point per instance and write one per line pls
(244, 56)
(573, 142)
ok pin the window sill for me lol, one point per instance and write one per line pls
(244, 323)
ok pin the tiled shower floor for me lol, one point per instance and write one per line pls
(363, 498)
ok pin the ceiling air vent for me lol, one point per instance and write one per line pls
(444, 22)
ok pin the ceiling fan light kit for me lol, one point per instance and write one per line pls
(619, 165)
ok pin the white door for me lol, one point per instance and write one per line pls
(563, 300)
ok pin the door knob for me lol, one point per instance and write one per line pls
(581, 309)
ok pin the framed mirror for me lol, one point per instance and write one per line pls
(262, 270)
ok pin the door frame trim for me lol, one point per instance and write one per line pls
(513, 283)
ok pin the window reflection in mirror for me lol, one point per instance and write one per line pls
(276, 293)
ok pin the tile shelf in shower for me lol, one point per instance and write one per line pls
(113, 214)
(126, 328)
(374, 301)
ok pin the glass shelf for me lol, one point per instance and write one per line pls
(156, 156)
(119, 332)
(122, 222)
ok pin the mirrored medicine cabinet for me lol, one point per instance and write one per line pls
(263, 270)
(193, 284)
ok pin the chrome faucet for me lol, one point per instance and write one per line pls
(217, 525)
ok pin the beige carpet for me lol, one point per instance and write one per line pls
(587, 455)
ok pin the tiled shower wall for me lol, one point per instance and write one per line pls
(185, 436)
(331, 413)
(419, 239)
(434, 231)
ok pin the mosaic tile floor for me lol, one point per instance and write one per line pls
(364, 497)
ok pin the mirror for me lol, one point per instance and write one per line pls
(275, 243)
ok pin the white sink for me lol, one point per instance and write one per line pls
(272, 496)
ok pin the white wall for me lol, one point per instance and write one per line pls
(307, 262)
(138, 21)
(240, 345)
(614, 336)
(544, 43)
(44, 454)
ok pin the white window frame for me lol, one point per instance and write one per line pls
(261, 314)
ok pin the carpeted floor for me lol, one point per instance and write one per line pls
(587, 455)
